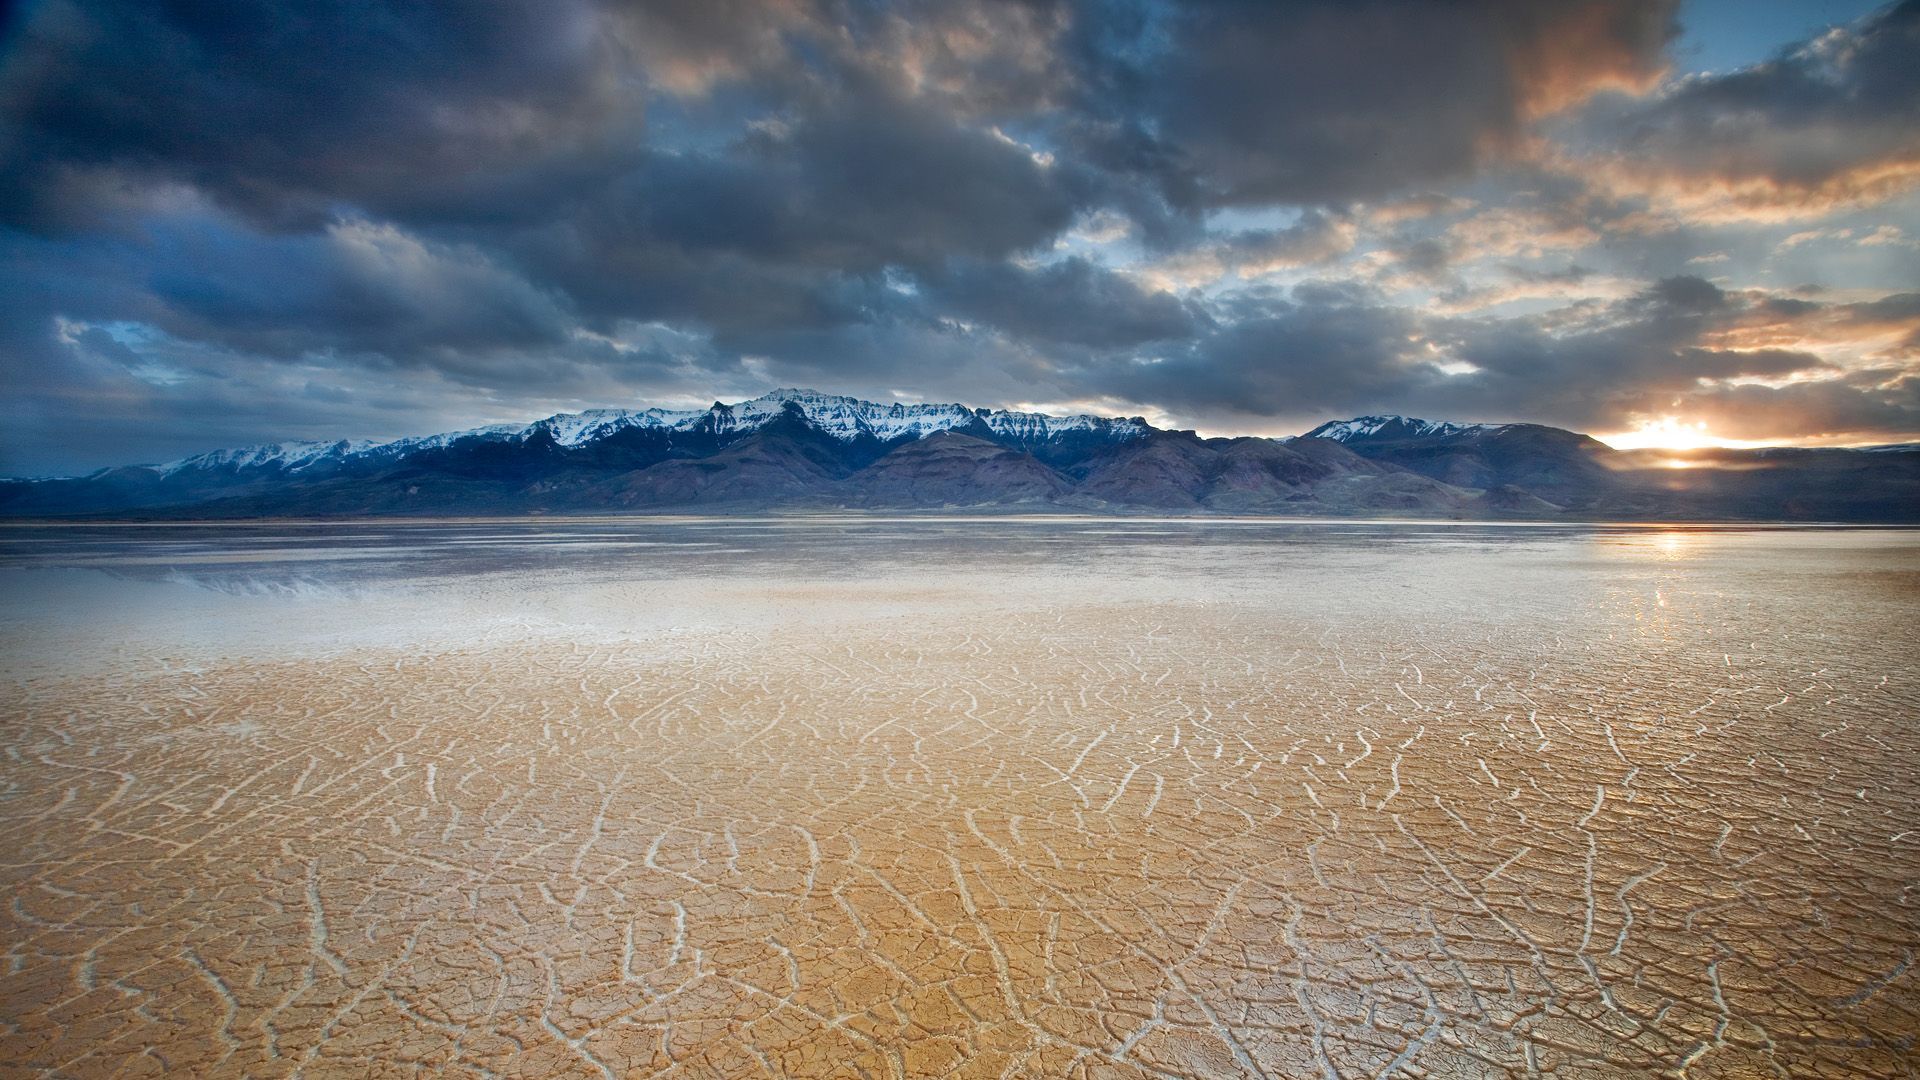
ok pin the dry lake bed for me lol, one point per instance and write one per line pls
(1000, 797)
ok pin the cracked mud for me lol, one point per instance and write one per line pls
(1305, 805)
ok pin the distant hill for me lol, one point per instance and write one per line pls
(800, 449)
(1585, 478)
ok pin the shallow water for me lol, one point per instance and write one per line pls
(1009, 797)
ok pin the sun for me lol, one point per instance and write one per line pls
(1667, 433)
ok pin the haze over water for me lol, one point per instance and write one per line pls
(902, 797)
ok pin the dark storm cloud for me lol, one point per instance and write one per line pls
(1071, 302)
(1253, 102)
(1325, 348)
(286, 112)
(867, 185)
(460, 107)
(794, 227)
(783, 222)
(343, 213)
(357, 288)
(455, 110)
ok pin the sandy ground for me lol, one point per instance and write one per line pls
(1660, 829)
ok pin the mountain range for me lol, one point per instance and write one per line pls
(804, 450)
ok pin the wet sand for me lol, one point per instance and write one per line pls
(919, 799)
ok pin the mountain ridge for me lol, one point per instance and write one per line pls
(1390, 426)
(794, 448)
(842, 416)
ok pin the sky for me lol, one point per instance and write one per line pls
(227, 223)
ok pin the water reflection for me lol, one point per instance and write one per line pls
(67, 594)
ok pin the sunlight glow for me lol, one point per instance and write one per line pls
(1669, 433)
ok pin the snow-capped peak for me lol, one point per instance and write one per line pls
(1394, 427)
(288, 456)
(844, 418)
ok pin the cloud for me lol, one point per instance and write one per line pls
(284, 114)
(1072, 302)
(1317, 351)
(358, 288)
(1316, 238)
(1830, 124)
(235, 222)
(1832, 409)
(860, 185)
(1330, 349)
(1245, 103)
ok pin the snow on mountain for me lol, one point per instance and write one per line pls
(1039, 427)
(402, 447)
(1394, 427)
(844, 418)
(288, 456)
(848, 418)
(578, 429)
